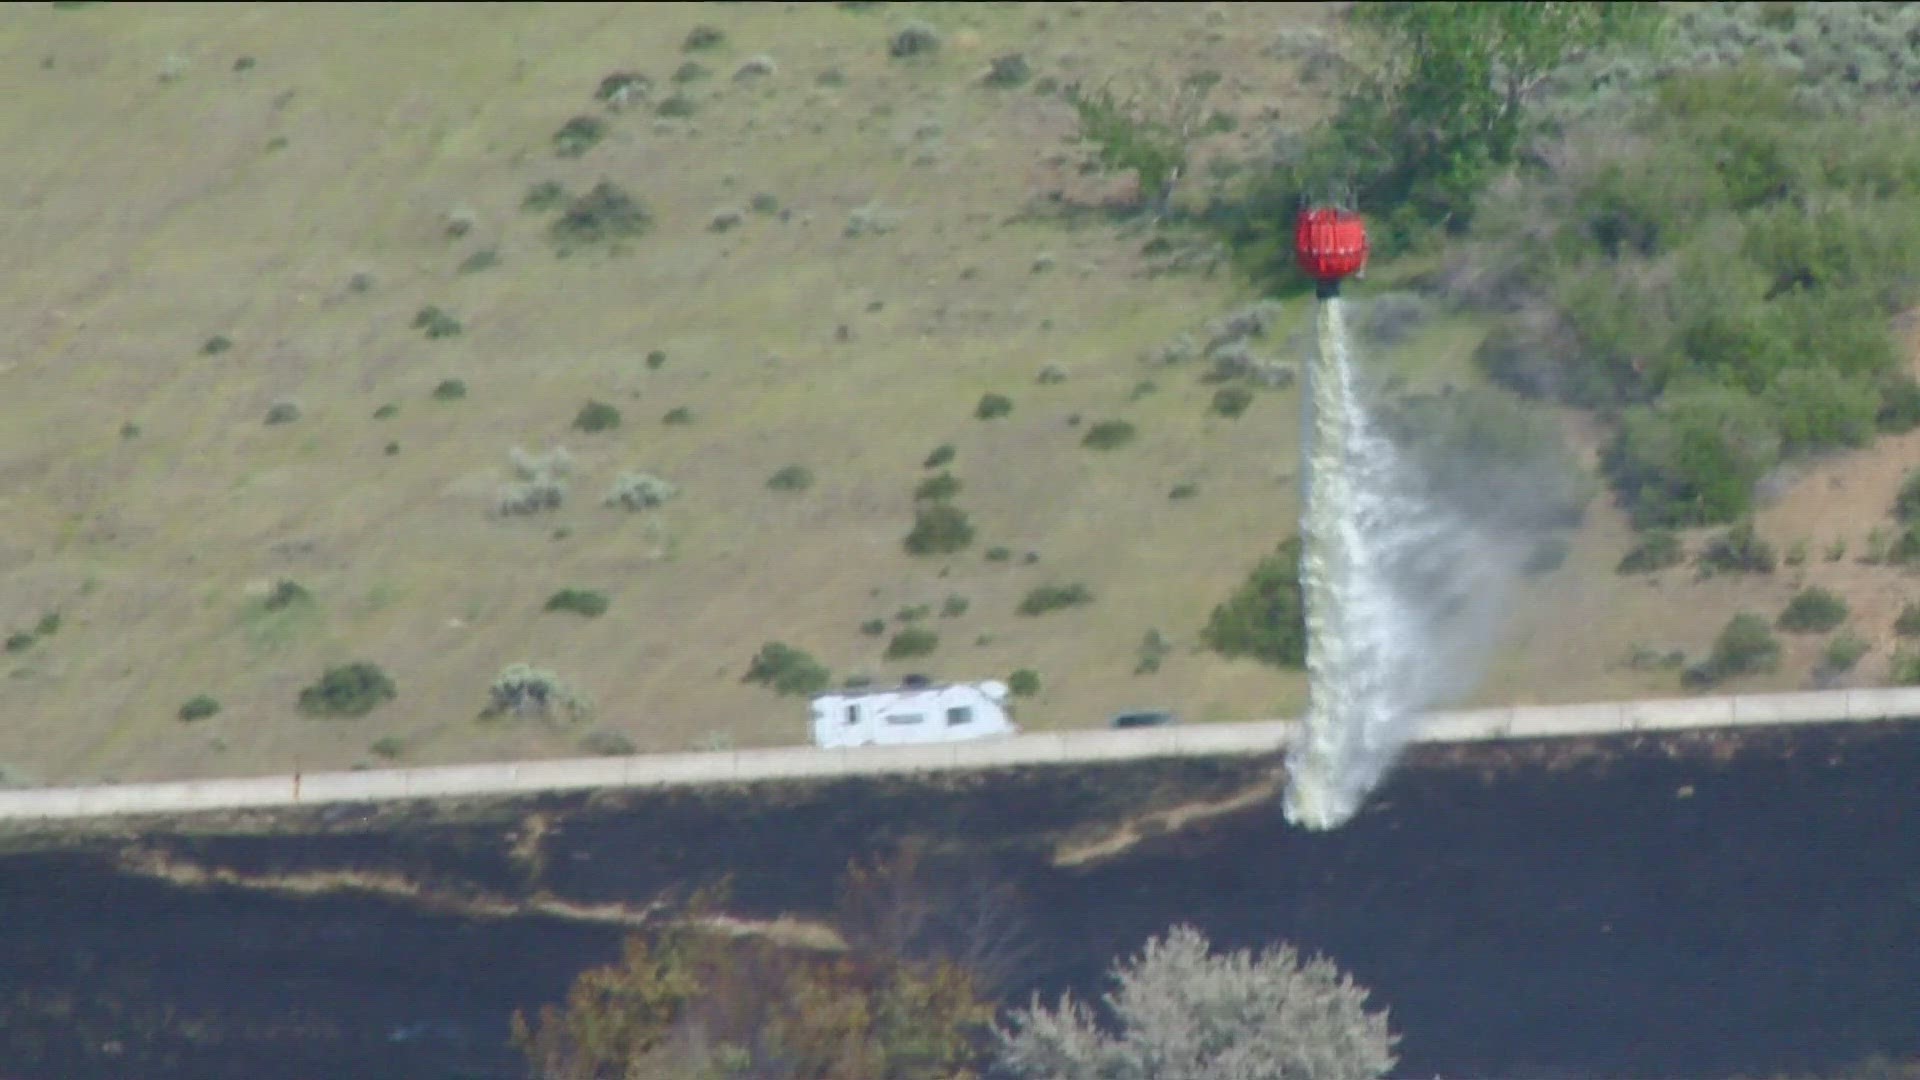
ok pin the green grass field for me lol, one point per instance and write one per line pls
(163, 190)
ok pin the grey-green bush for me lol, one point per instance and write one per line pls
(1812, 610)
(528, 692)
(1044, 598)
(787, 670)
(1182, 1010)
(912, 641)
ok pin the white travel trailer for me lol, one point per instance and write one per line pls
(913, 713)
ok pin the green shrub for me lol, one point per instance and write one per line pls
(19, 642)
(1819, 408)
(1231, 401)
(913, 614)
(914, 39)
(484, 259)
(436, 323)
(282, 412)
(656, 360)
(388, 747)
(676, 107)
(578, 601)
(1044, 598)
(1024, 682)
(1692, 459)
(1905, 549)
(1812, 610)
(1152, 651)
(386, 412)
(787, 670)
(579, 135)
(216, 345)
(954, 606)
(1739, 549)
(941, 487)
(911, 642)
(198, 707)
(1265, 618)
(286, 593)
(48, 625)
(450, 390)
(703, 38)
(874, 627)
(1905, 668)
(1906, 504)
(999, 554)
(349, 690)
(993, 406)
(679, 414)
(1109, 435)
(525, 691)
(939, 528)
(764, 203)
(1657, 550)
(1844, 651)
(605, 213)
(941, 455)
(691, 72)
(1182, 491)
(1009, 70)
(607, 744)
(1899, 410)
(1744, 646)
(543, 196)
(791, 478)
(596, 416)
(1908, 622)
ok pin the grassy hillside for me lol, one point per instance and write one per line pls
(222, 214)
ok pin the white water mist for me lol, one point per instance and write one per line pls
(1400, 595)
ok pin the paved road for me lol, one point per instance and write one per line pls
(1045, 748)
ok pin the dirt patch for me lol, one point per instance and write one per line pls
(1161, 822)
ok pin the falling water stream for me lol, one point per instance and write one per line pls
(1397, 591)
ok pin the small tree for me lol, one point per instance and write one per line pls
(1185, 1012)
(1743, 646)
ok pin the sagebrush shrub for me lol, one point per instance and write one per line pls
(1656, 550)
(450, 390)
(940, 487)
(1740, 548)
(436, 322)
(941, 455)
(528, 692)
(702, 38)
(282, 412)
(1024, 682)
(639, 491)
(914, 39)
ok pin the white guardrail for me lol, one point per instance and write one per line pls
(1043, 748)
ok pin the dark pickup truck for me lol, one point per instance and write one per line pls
(1145, 718)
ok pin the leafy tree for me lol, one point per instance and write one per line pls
(1266, 617)
(1185, 1012)
(1447, 108)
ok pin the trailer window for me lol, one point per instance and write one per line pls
(904, 718)
(958, 715)
(853, 714)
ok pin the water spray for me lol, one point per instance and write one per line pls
(1348, 737)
